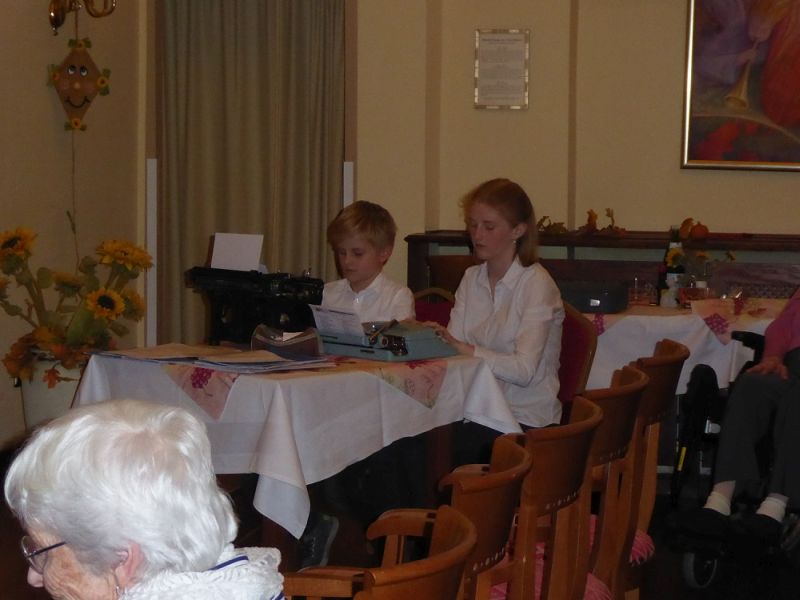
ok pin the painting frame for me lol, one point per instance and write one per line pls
(740, 62)
(501, 69)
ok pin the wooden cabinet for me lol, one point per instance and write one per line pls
(578, 262)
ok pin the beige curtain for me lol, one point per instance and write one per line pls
(251, 137)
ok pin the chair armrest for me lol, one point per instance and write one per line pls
(402, 522)
(462, 472)
(751, 340)
(323, 582)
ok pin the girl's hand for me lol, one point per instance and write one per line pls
(461, 347)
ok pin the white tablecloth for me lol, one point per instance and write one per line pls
(635, 332)
(296, 429)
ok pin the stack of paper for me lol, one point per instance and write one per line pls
(219, 358)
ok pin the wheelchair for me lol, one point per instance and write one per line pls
(701, 413)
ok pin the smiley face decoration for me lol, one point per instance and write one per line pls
(78, 81)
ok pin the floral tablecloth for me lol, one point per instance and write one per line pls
(210, 389)
(704, 329)
(725, 315)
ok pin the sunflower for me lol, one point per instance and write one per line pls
(127, 254)
(16, 242)
(134, 304)
(105, 304)
(674, 257)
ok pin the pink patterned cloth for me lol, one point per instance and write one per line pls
(599, 323)
(723, 315)
(419, 379)
(595, 589)
(207, 387)
(643, 546)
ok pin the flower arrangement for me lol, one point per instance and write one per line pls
(69, 313)
(696, 263)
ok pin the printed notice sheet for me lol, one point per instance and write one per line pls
(336, 322)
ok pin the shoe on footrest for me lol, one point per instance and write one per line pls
(763, 528)
(705, 522)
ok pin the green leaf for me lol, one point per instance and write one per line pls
(12, 309)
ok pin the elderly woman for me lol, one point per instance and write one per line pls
(120, 501)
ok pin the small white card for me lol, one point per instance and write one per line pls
(336, 322)
(237, 251)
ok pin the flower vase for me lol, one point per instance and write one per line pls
(40, 403)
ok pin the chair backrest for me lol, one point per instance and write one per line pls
(611, 476)
(435, 577)
(578, 345)
(551, 488)
(489, 497)
(663, 369)
(434, 304)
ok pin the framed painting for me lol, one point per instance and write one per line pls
(742, 102)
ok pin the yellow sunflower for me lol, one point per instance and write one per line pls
(105, 304)
(674, 257)
(124, 253)
(17, 241)
(134, 304)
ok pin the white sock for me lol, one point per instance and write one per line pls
(773, 506)
(719, 502)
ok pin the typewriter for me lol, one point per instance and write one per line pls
(239, 301)
(390, 342)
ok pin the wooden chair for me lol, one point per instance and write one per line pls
(436, 577)
(601, 546)
(488, 495)
(549, 493)
(663, 369)
(434, 304)
(578, 345)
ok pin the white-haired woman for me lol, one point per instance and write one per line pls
(119, 501)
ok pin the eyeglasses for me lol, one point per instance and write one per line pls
(36, 557)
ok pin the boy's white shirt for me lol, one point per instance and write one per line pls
(381, 300)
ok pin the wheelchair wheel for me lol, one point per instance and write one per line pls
(699, 569)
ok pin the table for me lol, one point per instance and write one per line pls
(297, 428)
(704, 329)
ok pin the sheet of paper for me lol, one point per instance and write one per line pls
(172, 352)
(237, 251)
(336, 322)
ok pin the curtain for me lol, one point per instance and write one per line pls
(251, 138)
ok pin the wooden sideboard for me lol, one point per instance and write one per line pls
(437, 258)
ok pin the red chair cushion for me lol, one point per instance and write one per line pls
(438, 312)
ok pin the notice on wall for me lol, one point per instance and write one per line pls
(501, 68)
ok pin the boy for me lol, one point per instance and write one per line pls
(362, 238)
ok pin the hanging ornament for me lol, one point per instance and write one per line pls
(78, 81)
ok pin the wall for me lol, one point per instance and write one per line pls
(36, 157)
(603, 129)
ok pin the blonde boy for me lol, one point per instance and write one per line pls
(362, 238)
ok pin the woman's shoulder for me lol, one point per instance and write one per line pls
(538, 279)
